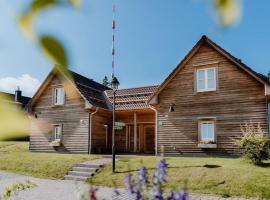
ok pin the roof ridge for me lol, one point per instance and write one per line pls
(138, 87)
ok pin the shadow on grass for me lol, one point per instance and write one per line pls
(173, 167)
(265, 165)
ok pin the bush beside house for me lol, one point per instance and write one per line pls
(254, 143)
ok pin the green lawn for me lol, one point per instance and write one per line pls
(15, 157)
(222, 176)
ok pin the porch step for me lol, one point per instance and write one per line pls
(89, 165)
(85, 169)
(83, 174)
(75, 178)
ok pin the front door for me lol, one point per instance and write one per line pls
(149, 138)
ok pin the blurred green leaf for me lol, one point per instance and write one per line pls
(14, 122)
(229, 11)
(38, 5)
(26, 23)
(54, 49)
(75, 3)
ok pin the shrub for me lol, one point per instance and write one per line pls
(254, 143)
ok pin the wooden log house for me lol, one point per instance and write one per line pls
(198, 109)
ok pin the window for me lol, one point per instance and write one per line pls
(57, 132)
(207, 131)
(58, 96)
(206, 79)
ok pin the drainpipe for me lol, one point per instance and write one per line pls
(156, 129)
(90, 130)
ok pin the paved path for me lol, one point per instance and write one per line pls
(70, 190)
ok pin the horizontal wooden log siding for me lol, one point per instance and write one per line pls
(74, 133)
(239, 98)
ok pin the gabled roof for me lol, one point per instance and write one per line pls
(91, 91)
(132, 98)
(204, 39)
(11, 97)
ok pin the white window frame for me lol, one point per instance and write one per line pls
(58, 96)
(206, 89)
(57, 127)
(201, 131)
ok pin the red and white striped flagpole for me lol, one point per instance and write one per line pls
(113, 40)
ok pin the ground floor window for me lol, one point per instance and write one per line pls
(57, 132)
(207, 130)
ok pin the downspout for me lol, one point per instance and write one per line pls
(268, 116)
(90, 130)
(156, 129)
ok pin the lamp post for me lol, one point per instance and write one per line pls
(115, 84)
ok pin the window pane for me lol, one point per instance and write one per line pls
(211, 78)
(57, 132)
(201, 79)
(59, 96)
(55, 95)
(207, 131)
(204, 131)
(211, 131)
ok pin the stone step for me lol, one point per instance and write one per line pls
(83, 174)
(88, 165)
(75, 178)
(84, 169)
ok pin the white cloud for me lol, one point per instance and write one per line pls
(27, 84)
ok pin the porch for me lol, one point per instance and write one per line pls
(137, 133)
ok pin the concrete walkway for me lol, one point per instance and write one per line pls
(70, 190)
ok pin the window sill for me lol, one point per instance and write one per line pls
(57, 106)
(207, 146)
(55, 143)
(210, 90)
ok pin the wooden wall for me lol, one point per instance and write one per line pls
(239, 98)
(99, 130)
(75, 133)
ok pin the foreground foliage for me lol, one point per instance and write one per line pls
(221, 176)
(254, 143)
(15, 157)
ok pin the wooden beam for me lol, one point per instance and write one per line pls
(135, 132)
(127, 127)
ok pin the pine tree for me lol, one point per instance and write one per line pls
(105, 81)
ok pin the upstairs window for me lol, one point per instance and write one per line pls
(58, 96)
(207, 131)
(57, 132)
(206, 79)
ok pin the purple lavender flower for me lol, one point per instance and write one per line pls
(143, 175)
(162, 170)
(179, 196)
(128, 178)
(138, 195)
(131, 190)
(157, 194)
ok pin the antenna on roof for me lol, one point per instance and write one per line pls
(113, 39)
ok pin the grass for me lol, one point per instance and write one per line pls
(221, 176)
(15, 157)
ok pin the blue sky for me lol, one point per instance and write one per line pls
(151, 39)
